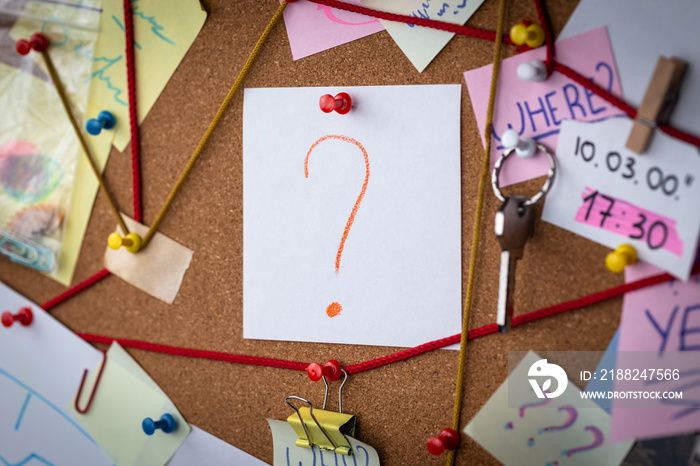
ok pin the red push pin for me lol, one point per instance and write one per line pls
(448, 440)
(24, 317)
(341, 103)
(38, 42)
(331, 370)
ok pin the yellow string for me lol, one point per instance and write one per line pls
(219, 114)
(66, 104)
(483, 181)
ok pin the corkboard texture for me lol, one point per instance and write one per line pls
(398, 406)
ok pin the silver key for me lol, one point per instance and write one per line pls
(515, 222)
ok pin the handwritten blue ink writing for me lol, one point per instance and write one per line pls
(540, 118)
(685, 330)
(100, 73)
(155, 27)
(423, 11)
(354, 456)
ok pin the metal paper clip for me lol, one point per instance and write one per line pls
(27, 252)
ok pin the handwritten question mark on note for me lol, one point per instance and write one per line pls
(598, 440)
(571, 419)
(524, 406)
(335, 308)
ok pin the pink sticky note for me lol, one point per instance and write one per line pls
(663, 320)
(314, 28)
(536, 109)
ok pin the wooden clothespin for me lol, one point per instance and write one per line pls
(658, 103)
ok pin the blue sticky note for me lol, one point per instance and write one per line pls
(607, 362)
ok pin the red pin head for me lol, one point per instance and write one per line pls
(435, 446)
(24, 317)
(448, 440)
(39, 42)
(341, 103)
(23, 47)
(331, 370)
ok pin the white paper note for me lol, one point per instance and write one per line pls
(395, 269)
(201, 447)
(609, 194)
(40, 370)
(287, 453)
(422, 44)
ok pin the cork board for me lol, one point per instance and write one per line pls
(398, 406)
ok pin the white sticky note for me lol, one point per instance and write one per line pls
(525, 430)
(611, 195)
(395, 269)
(125, 396)
(40, 370)
(158, 269)
(201, 447)
(422, 44)
(287, 452)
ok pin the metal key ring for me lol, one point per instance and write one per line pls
(545, 188)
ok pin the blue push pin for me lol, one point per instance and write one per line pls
(166, 424)
(104, 120)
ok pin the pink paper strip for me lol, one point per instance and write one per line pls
(602, 211)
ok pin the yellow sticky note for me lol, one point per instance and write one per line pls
(162, 34)
(125, 396)
(157, 269)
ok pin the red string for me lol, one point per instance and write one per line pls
(195, 353)
(430, 346)
(550, 62)
(48, 305)
(548, 35)
(133, 115)
(430, 23)
(401, 355)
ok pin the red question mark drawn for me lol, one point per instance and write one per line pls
(572, 416)
(335, 308)
(598, 440)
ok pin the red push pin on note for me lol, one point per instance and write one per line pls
(24, 317)
(341, 103)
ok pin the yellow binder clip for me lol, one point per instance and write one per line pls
(325, 429)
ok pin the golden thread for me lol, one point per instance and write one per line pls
(483, 181)
(219, 115)
(66, 104)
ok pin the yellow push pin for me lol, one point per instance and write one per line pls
(132, 241)
(624, 255)
(532, 35)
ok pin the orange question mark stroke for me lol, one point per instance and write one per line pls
(335, 308)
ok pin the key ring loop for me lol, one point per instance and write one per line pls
(539, 195)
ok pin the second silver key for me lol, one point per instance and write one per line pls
(514, 226)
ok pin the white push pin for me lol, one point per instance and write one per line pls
(534, 71)
(524, 147)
